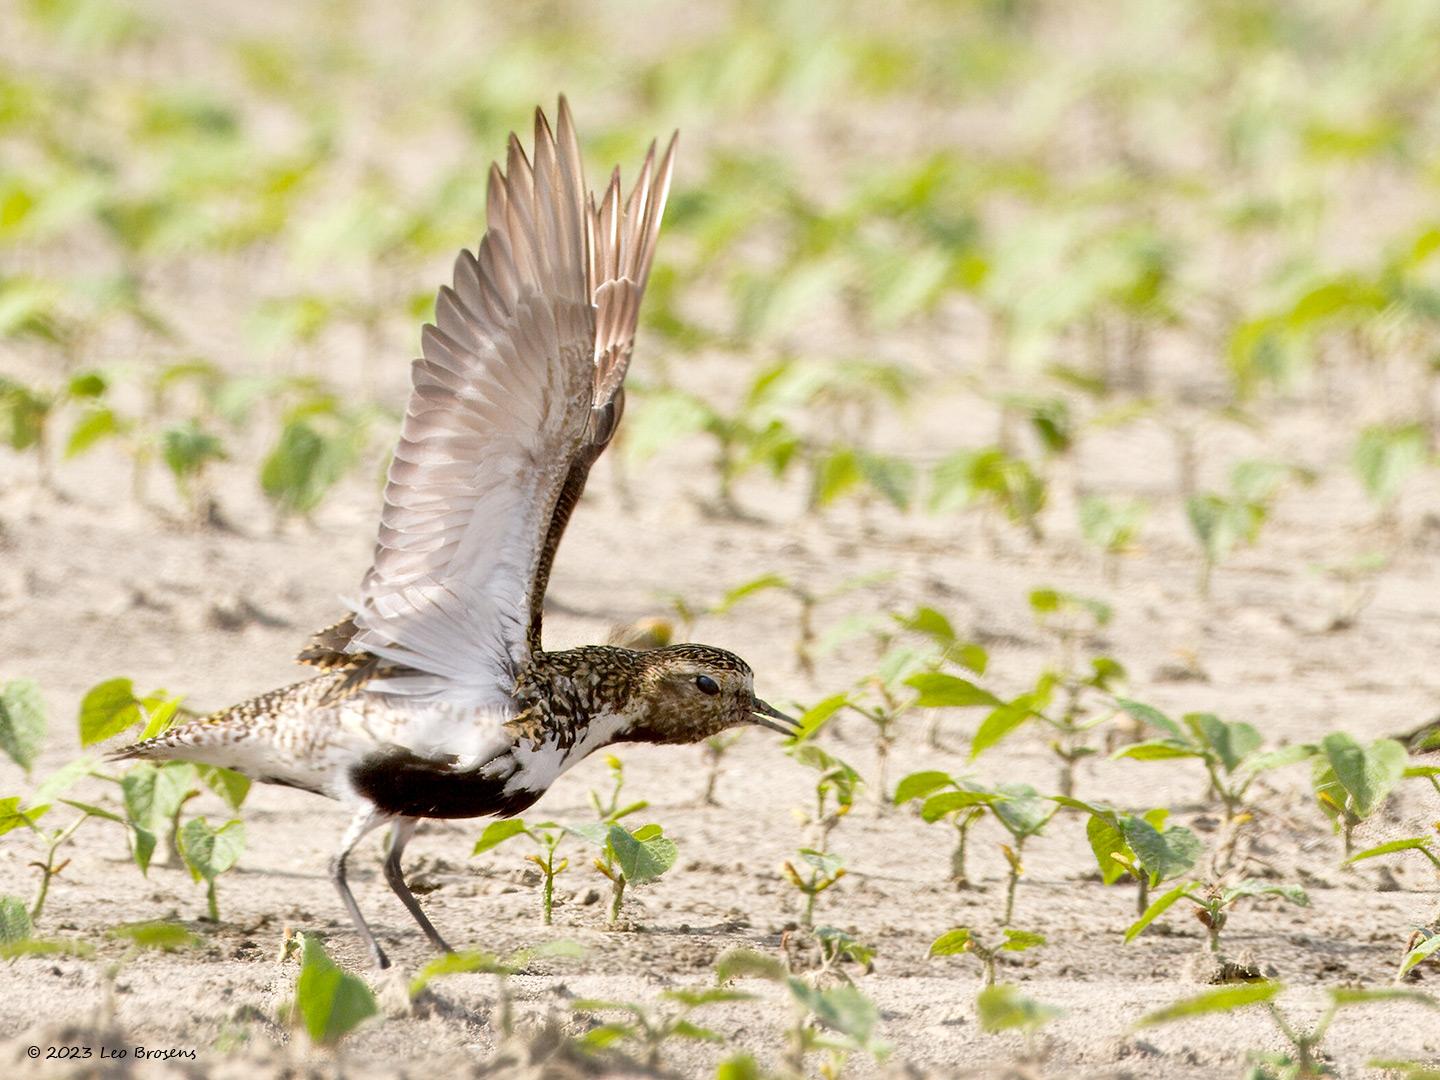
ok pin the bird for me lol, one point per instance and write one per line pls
(436, 698)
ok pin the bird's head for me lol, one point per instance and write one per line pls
(687, 693)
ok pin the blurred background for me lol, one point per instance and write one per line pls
(221, 224)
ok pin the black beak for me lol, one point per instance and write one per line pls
(768, 716)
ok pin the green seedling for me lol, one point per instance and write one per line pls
(609, 808)
(1113, 526)
(715, 749)
(847, 1014)
(836, 783)
(1003, 1008)
(22, 721)
(52, 840)
(822, 871)
(1023, 813)
(475, 962)
(1385, 458)
(26, 412)
(1351, 781)
(1422, 946)
(329, 1003)
(1212, 905)
(959, 800)
(545, 835)
(962, 940)
(628, 858)
(1141, 846)
(1304, 1059)
(993, 480)
(1223, 522)
(837, 948)
(209, 852)
(648, 1028)
(1230, 752)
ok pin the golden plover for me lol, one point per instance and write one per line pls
(437, 699)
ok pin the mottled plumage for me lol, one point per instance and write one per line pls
(436, 698)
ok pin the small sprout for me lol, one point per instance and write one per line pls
(1142, 846)
(1213, 905)
(822, 871)
(329, 1003)
(1113, 526)
(836, 784)
(628, 858)
(1004, 1008)
(650, 1028)
(610, 809)
(546, 835)
(959, 800)
(1023, 813)
(1304, 1060)
(1423, 945)
(962, 940)
(1384, 459)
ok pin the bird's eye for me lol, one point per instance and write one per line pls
(707, 685)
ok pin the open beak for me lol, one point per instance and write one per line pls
(768, 716)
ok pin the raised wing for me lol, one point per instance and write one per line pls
(622, 246)
(518, 392)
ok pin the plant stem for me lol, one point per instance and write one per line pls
(49, 869)
(617, 897)
(957, 857)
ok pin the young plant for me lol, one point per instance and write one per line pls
(1385, 458)
(993, 480)
(1212, 905)
(1351, 781)
(545, 835)
(963, 940)
(847, 1014)
(1230, 752)
(1004, 1008)
(836, 783)
(628, 858)
(1429, 846)
(209, 852)
(1142, 846)
(1112, 526)
(1304, 1059)
(958, 800)
(822, 871)
(1023, 813)
(473, 961)
(650, 1028)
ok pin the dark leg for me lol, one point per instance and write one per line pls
(362, 824)
(400, 834)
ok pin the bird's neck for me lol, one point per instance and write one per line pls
(562, 693)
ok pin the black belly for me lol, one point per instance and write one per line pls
(399, 782)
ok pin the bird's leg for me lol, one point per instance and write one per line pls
(363, 822)
(400, 834)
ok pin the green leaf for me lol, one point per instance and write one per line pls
(91, 810)
(208, 851)
(1385, 457)
(1148, 714)
(749, 588)
(1344, 995)
(459, 963)
(108, 709)
(98, 423)
(1409, 843)
(45, 947)
(165, 936)
(919, 784)
(1020, 940)
(1156, 909)
(62, 779)
(1367, 774)
(1156, 750)
(1106, 842)
(843, 1009)
(710, 995)
(947, 802)
(1003, 1008)
(12, 817)
(748, 964)
(1163, 855)
(230, 785)
(940, 691)
(1250, 887)
(15, 922)
(330, 1002)
(496, 833)
(952, 943)
(641, 861)
(1231, 743)
(1021, 810)
(999, 724)
(1427, 948)
(22, 721)
(1225, 999)
(186, 449)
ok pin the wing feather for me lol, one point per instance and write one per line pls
(518, 391)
